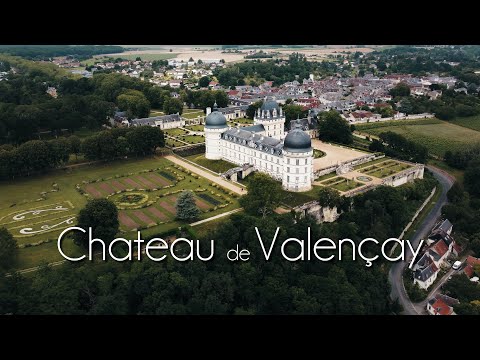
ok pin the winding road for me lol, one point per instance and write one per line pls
(395, 275)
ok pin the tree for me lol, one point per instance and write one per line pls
(138, 58)
(328, 197)
(332, 127)
(186, 207)
(252, 109)
(74, 144)
(143, 140)
(8, 249)
(102, 216)
(172, 106)
(472, 178)
(293, 112)
(204, 81)
(134, 103)
(401, 89)
(264, 195)
(191, 59)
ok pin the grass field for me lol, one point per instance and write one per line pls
(173, 143)
(156, 113)
(471, 122)
(195, 127)
(218, 166)
(193, 114)
(344, 185)
(438, 136)
(35, 220)
(175, 132)
(242, 121)
(192, 139)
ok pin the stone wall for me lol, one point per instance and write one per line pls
(352, 163)
(405, 176)
(319, 213)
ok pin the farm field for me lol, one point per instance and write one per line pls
(35, 210)
(438, 136)
(471, 122)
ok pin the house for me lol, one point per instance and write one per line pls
(469, 269)
(440, 246)
(234, 112)
(163, 122)
(441, 305)
(443, 225)
(425, 271)
(52, 92)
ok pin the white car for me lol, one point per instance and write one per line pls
(456, 265)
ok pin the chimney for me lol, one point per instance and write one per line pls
(209, 110)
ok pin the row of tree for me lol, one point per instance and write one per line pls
(37, 156)
(398, 146)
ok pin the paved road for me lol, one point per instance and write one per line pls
(215, 178)
(396, 271)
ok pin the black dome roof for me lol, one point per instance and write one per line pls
(297, 141)
(215, 120)
(270, 105)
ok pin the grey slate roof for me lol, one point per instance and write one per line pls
(232, 109)
(254, 128)
(424, 268)
(151, 120)
(262, 143)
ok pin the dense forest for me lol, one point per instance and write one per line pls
(44, 52)
(223, 287)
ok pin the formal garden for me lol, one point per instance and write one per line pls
(36, 209)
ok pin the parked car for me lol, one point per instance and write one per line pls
(456, 265)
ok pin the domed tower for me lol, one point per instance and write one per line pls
(271, 116)
(297, 160)
(215, 126)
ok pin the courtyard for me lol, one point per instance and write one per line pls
(334, 154)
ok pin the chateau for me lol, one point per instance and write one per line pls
(263, 146)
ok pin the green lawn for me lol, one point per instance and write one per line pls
(346, 185)
(318, 154)
(242, 121)
(218, 166)
(156, 113)
(367, 164)
(85, 132)
(192, 139)
(173, 143)
(175, 132)
(193, 114)
(20, 204)
(438, 136)
(195, 127)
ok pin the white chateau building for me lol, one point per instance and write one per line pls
(264, 146)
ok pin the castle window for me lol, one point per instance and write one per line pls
(297, 170)
(288, 161)
(288, 178)
(298, 162)
(288, 169)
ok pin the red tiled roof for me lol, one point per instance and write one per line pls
(233, 92)
(434, 267)
(440, 308)
(468, 271)
(440, 247)
(473, 261)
